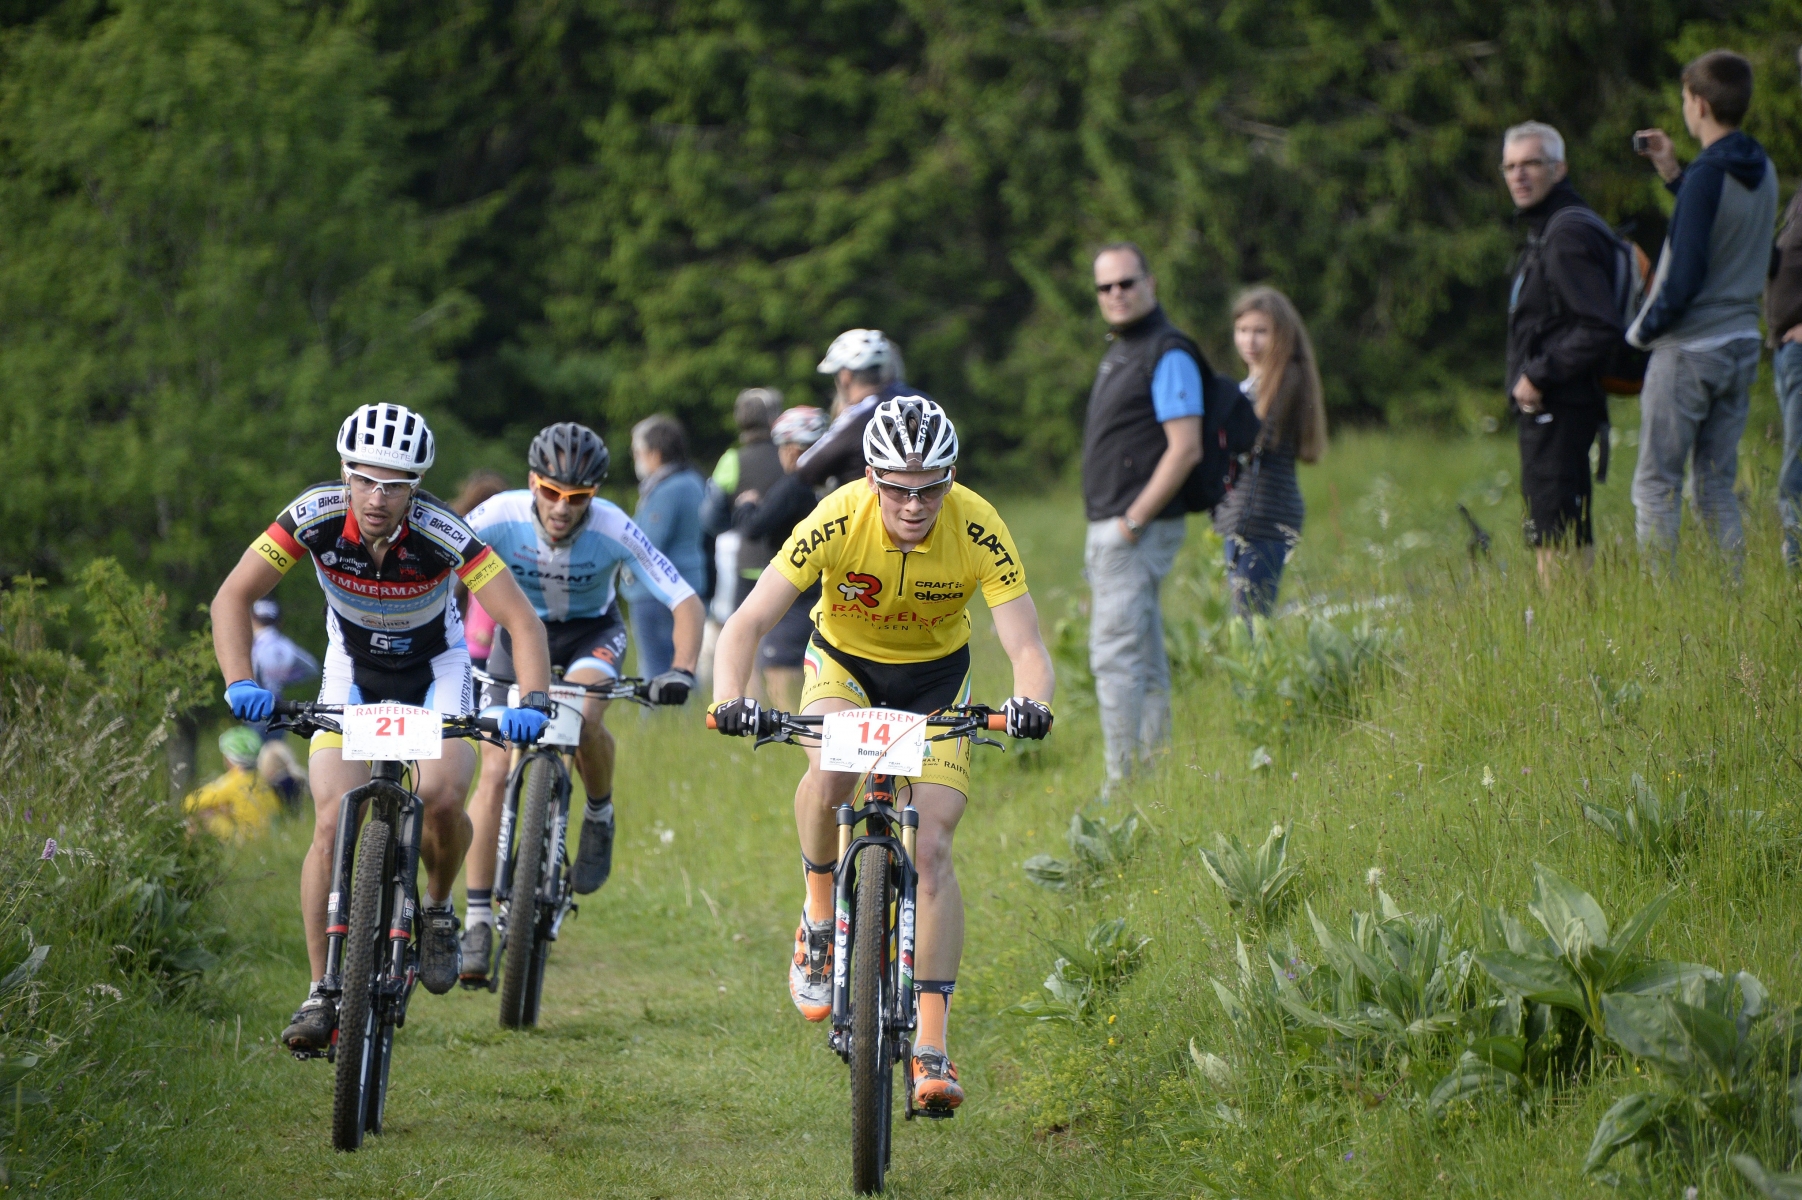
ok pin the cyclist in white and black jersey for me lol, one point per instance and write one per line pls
(387, 555)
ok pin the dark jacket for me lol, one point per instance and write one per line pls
(839, 455)
(759, 469)
(1562, 322)
(1122, 438)
(1783, 295)
(776, 512)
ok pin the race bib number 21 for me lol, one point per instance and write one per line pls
(391, 732)
(873, 739)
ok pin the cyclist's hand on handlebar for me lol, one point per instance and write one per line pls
(671, 687)
(1027, 718)
(248, 701)
(736, 718)
(523, 725)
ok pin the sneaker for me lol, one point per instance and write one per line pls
(478, 952)
(933, 1078)
(595, 861)
(810, 974)
(439, 953)
(310, 1032)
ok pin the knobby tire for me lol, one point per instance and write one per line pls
(361, 942)
(518, 1000)
(872, 1087)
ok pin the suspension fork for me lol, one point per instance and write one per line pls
(503, 846)
(559, 829)
(337, 900)
(403, 902)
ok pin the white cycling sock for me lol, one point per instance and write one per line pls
(598, 810)
(432, 901)
(480, 907)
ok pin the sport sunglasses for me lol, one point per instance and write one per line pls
(928, 493)
(381, 487)
(553, 492)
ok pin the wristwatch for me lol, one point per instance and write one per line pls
(538, 700)
(1132, 526)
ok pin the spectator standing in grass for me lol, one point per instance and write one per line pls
(866, 369)
(1783, 317)
(1700, 318)
(669, 511)
(751, 466)
(1141, 439)
(478, 626)
(1261, 518)
(1562, 326)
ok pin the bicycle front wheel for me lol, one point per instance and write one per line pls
(358, 1037)
(520, 959)
(872, 1067)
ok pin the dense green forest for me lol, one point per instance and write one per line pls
(229, 221)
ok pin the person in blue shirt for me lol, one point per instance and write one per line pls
(670, 493)
(565, 546)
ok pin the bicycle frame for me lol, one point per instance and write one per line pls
(563, 761)
(402, 810)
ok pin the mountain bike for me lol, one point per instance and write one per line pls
(537, 806)
(874, 884)
(371, 954)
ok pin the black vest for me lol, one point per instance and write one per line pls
(1122, 438)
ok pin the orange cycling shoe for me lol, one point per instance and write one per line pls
(810, 974)
(933, 1078)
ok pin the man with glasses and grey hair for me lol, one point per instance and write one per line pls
(1562, 327)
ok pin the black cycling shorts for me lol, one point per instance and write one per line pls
(921, 687)
(584, 642)
(1554, 473)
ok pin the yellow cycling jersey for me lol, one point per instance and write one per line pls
(879, 603)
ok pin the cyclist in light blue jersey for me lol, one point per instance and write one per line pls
(565, 545)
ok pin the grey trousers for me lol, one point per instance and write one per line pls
(1126, 638)
(1692, 411)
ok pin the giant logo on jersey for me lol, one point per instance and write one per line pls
(860, 588)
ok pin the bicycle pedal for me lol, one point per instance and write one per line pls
(477, 983)
(934, 1114)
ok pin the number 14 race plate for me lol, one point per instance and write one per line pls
(873, 739)
(391, 732)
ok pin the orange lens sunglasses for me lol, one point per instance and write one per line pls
(553, 492)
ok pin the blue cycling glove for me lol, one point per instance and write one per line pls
(248, 701)
(523, 725)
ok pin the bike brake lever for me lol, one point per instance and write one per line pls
(979, 740)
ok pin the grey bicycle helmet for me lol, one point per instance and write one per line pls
(569, 453)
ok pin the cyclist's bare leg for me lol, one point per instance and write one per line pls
(444, 833)
(594, 757)
(817, 797)
(939, 920)
(332, 777)
(485, 817)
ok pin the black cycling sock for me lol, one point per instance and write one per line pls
(943, 987)
(807, 864)
(597, 809)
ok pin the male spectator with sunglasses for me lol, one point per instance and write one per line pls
(565, 545)
(1141, 439)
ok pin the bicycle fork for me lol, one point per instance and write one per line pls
(880, 818)
(384, 782)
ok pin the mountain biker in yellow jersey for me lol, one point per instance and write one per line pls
(899, 553)
(386, 555)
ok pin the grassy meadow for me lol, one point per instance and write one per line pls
(669, 1062)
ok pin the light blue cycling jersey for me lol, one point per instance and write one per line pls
(574, 580)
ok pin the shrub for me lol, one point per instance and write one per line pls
(1650, 830)
(1282, 682)
(1082, 977)
(1260, 885)
(1096, 848)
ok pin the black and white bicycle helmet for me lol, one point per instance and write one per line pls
(387, 435)
(857, 350)
(569, 453)
(909, 433)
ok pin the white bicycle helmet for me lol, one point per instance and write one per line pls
(387, 435)
(857, 350)
(802, 425)
(909, 433)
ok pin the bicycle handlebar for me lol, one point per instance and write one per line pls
(307, 717)
(972, 717)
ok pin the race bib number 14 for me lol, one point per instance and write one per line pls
(873, 739)
(391, 732)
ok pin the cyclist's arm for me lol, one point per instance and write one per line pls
(502, 600)
(253, 578)
(1017, 624)
(691, 624)
(736, 651)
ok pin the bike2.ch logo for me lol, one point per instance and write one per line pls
(861, 588)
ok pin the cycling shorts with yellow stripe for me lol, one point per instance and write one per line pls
(828, 673)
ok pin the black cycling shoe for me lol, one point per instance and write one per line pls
(595, 860)
(478, 953)
(440, 958)
(311, 1030)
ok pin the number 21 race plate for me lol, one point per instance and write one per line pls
(873, 739)
(391, 732)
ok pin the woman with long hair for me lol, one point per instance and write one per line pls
(1261, 517)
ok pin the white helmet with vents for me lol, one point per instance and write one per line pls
(387, 435)
(909, 433)
(857, 350)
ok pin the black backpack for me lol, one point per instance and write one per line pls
(1623, 373)
(1229, 428)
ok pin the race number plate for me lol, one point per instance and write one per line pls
(391, 732)
(565, 727)
(873, 739)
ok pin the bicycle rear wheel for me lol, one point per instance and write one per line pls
(358, 1035)
(872, 1067)
(518, 996)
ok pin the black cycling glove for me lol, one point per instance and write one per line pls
(671, 687)
(1027, 718)
(736, 718)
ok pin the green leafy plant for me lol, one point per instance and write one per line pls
(1581, 959)
(1281, 681)
(1260, 885)
(1648, 828)
(1391, 979)
(1096, 847)
(1083, 976)
(1255, 1003)
(1773, 1185)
